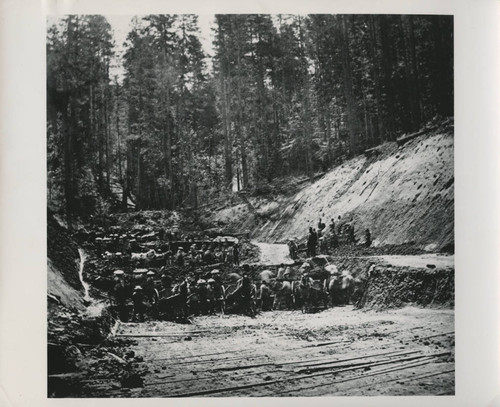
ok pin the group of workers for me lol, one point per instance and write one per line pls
(167, 247)
(323, 240)
(203, 292)
(192, 295)
(206, 293)
(207, 254)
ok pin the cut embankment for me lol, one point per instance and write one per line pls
(397, 281)
(404, 195)
(399, 286)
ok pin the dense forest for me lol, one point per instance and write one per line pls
(282, 96)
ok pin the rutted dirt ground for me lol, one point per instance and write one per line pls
(340, 351)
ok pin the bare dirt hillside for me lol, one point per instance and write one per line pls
(403, 194)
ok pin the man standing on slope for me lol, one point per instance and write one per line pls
(312, 241)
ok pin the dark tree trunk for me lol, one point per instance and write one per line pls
(352, 113)
(68, 164)
(390, 112)
(378, 122)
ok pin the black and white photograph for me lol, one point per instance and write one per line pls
(250, 205)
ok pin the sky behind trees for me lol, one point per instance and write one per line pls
(121, 25)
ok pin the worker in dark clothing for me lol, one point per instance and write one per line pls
(321, 227)
(332, 226)
(202, 296)
(350, 233)
(151, 293)
(312, 241)
(236, 254)
(138, 301)
(339, 226)
(183, 297)
(179, 257)
(245, 294)
(368, 238)
(120, 294)
(208, 257)
(264, 298)
(166, 283)
(149, 284)
(334, 241)
(218, 255)
(218, 291)
(229, 256)
(323, 245)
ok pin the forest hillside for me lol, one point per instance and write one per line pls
(403, 194)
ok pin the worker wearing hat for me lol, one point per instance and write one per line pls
(120, 295)
(151, 293)
(245, 289)
(202, 296)
(138, 301)
(218, 291)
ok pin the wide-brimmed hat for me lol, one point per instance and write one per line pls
(119, 273)
(138, 287)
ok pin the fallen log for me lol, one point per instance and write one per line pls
(372, 151)
(404, 139)
(117, 358)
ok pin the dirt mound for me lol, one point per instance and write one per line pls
(403, 194)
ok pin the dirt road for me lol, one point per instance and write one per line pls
(340, 351)
(273, 254)
(420, 261)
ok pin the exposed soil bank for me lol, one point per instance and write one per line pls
(396, 281)
(404, 195)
